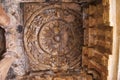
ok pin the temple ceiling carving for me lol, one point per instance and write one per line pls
(63, 39)
(53, 36)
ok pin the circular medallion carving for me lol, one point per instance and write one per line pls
(52, 38)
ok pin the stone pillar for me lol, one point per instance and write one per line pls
(14, 36)
(118, 25)
(114, 21)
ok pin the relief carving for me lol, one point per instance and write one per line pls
(65, 41)
(53, 37)
(64, 38)
(97, 39)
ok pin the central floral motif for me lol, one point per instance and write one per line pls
(56, 38)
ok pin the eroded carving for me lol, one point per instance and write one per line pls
(53, 37)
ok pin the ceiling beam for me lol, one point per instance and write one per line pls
(78, 1)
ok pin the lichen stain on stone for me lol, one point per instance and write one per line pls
(19, 28)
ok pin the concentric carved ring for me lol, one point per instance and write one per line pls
(54, 37)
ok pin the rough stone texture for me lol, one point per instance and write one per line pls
(79, 1)
(97, 38)
(94, 62)
(14, 38)
(4, 19)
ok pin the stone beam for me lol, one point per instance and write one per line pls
(79, 1)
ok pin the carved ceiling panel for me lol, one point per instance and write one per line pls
(67, 38)
(53, 36)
